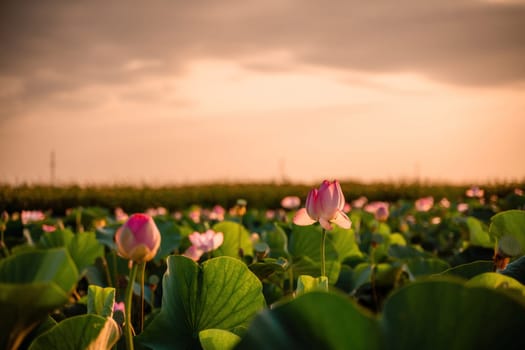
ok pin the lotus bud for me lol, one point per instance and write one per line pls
(138, 239)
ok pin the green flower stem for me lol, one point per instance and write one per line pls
(2, 243)
(142, 268)
(128, 332)
(323, 258)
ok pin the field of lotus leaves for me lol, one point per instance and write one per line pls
(319, 270)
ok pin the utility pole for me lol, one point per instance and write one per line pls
(52, 168)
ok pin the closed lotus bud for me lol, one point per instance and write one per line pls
(138, 239)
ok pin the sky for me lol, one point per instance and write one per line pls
(178, 92)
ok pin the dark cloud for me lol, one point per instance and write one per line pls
(90, 42)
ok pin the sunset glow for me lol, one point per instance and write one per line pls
(172, 101)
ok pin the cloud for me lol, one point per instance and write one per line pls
(57, 46)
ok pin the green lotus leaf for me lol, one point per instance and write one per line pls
(32, 284)
(315, 320)
(497, 280)
(479, 235)
(508, 228)
(170, 237)
(469, 270)
(89, 332)
(220, 294)
(83, 247)
(236, 240)
(218, 339)
(422, 267)
(100, 301)
(445, 314)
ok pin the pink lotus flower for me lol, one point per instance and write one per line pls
(475, 192)
(379, 209)
(48, 228)
(195, 215)
(159, 211)
(120, 306)
(203, 243)
(424, 204)
(120, 215)
(462, 207)
(217, 213)
(29, 216)
(360, 202)
(325, 205)
(291, 202)
(445, 203)
(138, 239)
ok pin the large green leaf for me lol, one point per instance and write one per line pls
(497, 280)
(277, 241)
(32, 284)
(83, 247)
(469, 270)
(218, 339)
(220, 294)
(89, 332)
(315, 320)
(307, 284)
(479, 235)
(170, 237)
(305, 247)
(236, 240)
(343, 241)
(100, 301)
(422, 267)
(508, 228)
(442, 314)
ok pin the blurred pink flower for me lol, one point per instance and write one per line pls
(29, 216)
(119, 307)
(359, 202)
(462, 207)
(193, 253)
(325, 205)
(48, 228)
(291, 202)
(347, 208)
(203, 243)
(379, 209)
(159, 211)
(435, 220)
(410, 219)
(518, 191)
(270, 214)
(177, 215)
(120, 215)
(475, 192)
(217, 213)
(424, 204)
(138, 239)
(195, 215)
(445, 203)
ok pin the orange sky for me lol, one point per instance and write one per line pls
(179, 92)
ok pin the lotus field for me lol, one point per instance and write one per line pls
(319, 272)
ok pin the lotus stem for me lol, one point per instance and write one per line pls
(142, 267)
(323, 263)
(128, 328)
